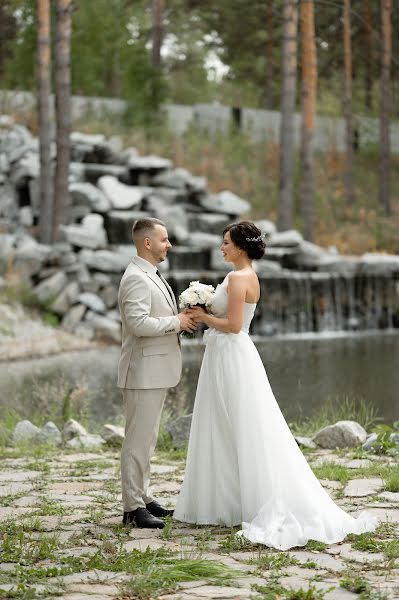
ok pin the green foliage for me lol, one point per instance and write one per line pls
(339, 408)
(315, 545)
(273, 560)
(333, 472)
(156, 571)
(274, 591)
(235, 543)
(386, 442)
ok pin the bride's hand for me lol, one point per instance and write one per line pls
(198, 314)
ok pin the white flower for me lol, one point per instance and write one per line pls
(196, 293)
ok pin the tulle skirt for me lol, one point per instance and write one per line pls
(244, 467)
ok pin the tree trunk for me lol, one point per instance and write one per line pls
(369, 55)
(348, 168)
(289, 68)
(63, 113)
(385, 107)
(269, 56)
(157, 32)
(309, 85)
(44, 89)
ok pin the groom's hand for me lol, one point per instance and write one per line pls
(187, 323)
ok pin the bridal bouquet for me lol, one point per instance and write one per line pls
(197, 294)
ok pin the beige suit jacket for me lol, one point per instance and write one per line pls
(150, 354)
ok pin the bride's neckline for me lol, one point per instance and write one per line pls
(224, 289)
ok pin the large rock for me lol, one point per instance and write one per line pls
(104, 327)
(109, 295)
(285, 239)
(311, 255)
(25, 432)
(180, 179)
(73, 429)
(73, 317)
(26, 168)
(343, 434)
(119, 224)
(6, 250)
(225, 202)
(66, 298)
(148, 163)
(121, 196)
(104, 260)
(379, 264)
(93, 172)
(48, 289)
(85, 441)
(49, 434)
(209, 222)
(264, 266)
(87, 194)
(90, 234)
(267, 227)
(199, 239)
(176, 222)
(92, 301)
(29, 258)
(113, 435)
(179, 430)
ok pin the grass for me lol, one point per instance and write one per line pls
(273, 561)
(345, 408)
(236, 543)
(333, 472)
(156, 571)
(377, 542)
(355, 583)
(274, 591)
(315, 546)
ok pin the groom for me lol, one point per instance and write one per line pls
(150, 363)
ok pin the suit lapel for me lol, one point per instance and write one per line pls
(158, 282)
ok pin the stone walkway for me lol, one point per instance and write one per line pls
(61, 536)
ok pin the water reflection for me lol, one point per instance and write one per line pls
(303, 373)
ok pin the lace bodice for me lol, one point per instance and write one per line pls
(219, 306)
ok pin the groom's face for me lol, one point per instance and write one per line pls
(160, 243)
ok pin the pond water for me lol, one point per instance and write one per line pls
(303, 371)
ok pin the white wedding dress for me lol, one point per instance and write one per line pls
(243, 464)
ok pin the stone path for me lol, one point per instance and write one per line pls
(61, 536)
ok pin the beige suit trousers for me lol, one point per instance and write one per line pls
(143, 410)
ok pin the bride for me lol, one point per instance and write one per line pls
(243, 464)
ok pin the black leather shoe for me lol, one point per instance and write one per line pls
(158, 511)
(141, 517)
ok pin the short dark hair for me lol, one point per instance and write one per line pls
(145, 226)
(247, 237)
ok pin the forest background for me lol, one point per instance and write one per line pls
(337, 58)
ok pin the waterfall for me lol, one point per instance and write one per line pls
(306, 302)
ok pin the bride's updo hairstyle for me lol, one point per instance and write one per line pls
(246, 236)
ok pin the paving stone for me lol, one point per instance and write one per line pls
(390, 515)
(8, 476)
(12, 511)
(30, 501)
(324, 561)
(363, 487)
(215, 592)
(349, 553)
(391, 496)
(74, 487)
(143, 544)
(359, 463)
(10, 489)
(93, 588)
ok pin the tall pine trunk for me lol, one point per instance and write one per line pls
(63, 112)
(309, 86)
(289, 69)
(44, 89)
(157, 32)
(348, 168)
(369, 54)
(385, 108)
(269, 102)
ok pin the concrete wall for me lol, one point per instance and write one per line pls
(215, 118)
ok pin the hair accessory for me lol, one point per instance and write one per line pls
(257, 239)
